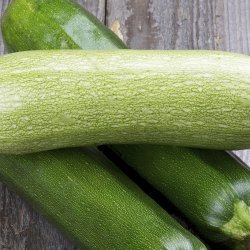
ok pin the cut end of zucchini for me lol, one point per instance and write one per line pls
(238, 227)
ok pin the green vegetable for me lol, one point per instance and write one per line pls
(208, 186)
(54, 99)
(57, 24)
(92, 201)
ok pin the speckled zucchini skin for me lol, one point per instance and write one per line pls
(208, 186)
(57, 24)
(55, 99)
(92, 201)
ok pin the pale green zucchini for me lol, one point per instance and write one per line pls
(54, 99)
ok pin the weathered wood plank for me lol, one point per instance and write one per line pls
(96, 7)
(164, 24)
(237, 26)
(3, 6)
(181, 24)
(20, 226)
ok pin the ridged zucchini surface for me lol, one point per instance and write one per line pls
(55, 99)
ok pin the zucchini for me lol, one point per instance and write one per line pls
(54, 99)
(92, 201)
(57, 24)
(208, 186)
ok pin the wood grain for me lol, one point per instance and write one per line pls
(237, 26)
(3, 6)
(95, 7)
(164, 24)
(155, 24)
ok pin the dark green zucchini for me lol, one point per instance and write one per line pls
(57, 24)
(209, 187)
(92, 201)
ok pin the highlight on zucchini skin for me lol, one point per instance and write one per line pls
(64, 98)
(92, 201)
(57, 24)
(208, 186)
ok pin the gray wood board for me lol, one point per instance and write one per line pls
(158, 24)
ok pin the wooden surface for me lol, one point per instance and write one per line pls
(155, 24)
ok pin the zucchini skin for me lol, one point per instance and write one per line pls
(204, 184)
(92, 201)
(57, 24)
(54, 99)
